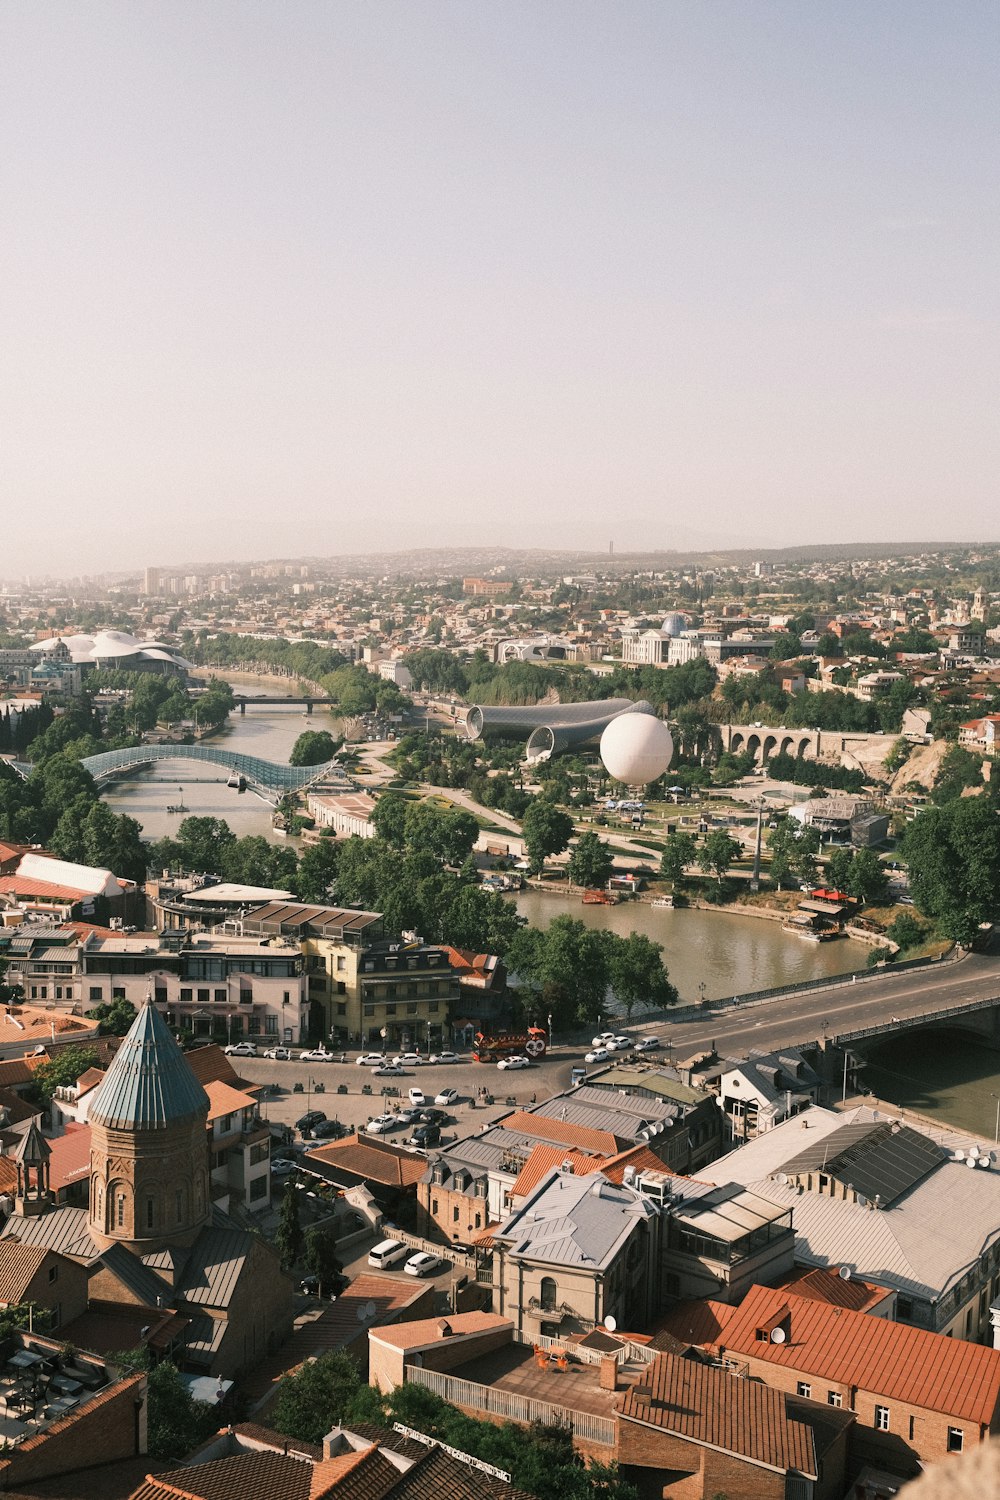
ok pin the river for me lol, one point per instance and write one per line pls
(730, 954)
(947, 1075)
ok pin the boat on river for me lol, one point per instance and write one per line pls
(665, 903)
(600, 898)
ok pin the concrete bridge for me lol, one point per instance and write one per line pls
(981, 1018)
(764, 740)
(243, 701)
(270, 779)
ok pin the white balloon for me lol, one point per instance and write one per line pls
(636, 748)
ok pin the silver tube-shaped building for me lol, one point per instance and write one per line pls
(550, 727)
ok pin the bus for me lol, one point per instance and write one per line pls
(490, 1047)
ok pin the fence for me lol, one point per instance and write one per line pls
(434, 1247)
(511, 1406)
(638, 1353)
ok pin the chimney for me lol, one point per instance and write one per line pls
(333, 1442)
(609, 1373)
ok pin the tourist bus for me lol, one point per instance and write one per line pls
(490, 1047)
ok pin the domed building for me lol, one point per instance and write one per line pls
(151, 1240)
(148, 1153)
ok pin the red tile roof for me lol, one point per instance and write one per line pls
(70, 1158)
(707, 1405)
(430, 1331)
(545, 1159)
(853, 1348)
(640, 1158)
(828, 1286)
(602, 1142)
(373, 1160)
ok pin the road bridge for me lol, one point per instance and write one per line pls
(270, 779)
(243, 701)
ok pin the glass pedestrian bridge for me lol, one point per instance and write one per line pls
(271, 778)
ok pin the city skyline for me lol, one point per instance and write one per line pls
(323, 279)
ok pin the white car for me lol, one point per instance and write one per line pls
(648, 1044)
(408, 1059)
(388, 1070)
(447, 1097)
(417, 1098)
(280, 1054)
(602, 1040)
(283, 1168)
(514, 1062)
(318, 1054)
(382, 1124)
(619, 1044)
(370, 1060)
(599, 1054)
(444, 1057)
(422, 1264)
(240, 1049)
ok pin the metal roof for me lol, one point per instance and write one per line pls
(880, 1160)
(214, 1267)
(64, 1229)
(149, 1086)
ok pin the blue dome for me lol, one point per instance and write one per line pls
(149, 1086)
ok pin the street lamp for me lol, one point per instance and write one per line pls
(550, 1027)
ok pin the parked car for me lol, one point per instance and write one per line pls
(382, 1124)
(444, 1057)
(388, 1070)
(432, 1116)
(310, 1119)
(408, 1059)
(408, 1116)
(620, 1044)
(370, 1059)
(446, 1097)
(317, 1054)
(513, 1062)
(280, 1054)
(333, 1286)
(599, 1054)
(648, 1044)
(241, 1049)
(283, 1168)
(417, 1097)
(425, 1136)
(423, 1264)
(602, 1040)
(329, 1130)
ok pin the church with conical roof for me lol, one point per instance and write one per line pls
(149, 1164)
(150, 1235)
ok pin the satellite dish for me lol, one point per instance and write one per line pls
(417, 1359)
(611, 1322)
(361, 1314)
(983, 1161)
(777, 1335)
(970, 1161)
(844, 1273)
(862, 1201)
(992, 1158)
(782, 1178)
(960, 1154)
(973, 1151)
(370, 1309)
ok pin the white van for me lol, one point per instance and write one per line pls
(387, 1253)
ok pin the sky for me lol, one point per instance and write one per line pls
(297, 278)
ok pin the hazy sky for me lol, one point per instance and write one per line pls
(305, 277)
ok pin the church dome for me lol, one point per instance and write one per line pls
(149, 1086)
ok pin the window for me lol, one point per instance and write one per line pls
(160, 995)
(454, 1216)
(434, 1205)
(390, 1009)
(221, 996)
(258, 1189)
(803, 1388)
(342, 1008)
(149, 1213)
(260, 1152)
(882, 1418)
(369, 1010)
(341, 964)
(834, 1398)
(271, 1025)
(117, 993)
(186, 996)
(120, 1210)
(411, 1010)
(904, 1307)
(54, 1276)
(955, 1439)
(96, 992)
(203, 997)
(548, 1294)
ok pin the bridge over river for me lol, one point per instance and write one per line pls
(270, 779)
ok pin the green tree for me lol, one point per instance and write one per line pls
(203, 843)
(321, 1257)
(679, 851)
(116, 1017)
(317, 871)
(838, 868)
(176, 1422)
(591, 862)
(636, 972)
(324, 1393)
(573, 970)
(546, 831)
(867, 878)
(254, 861)
(906, 930)
(288, 1237)
(719, 853)
(313, 748)
(389, 818)
(953, 855)
(64, 1069)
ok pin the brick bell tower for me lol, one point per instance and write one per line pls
(149, 1153)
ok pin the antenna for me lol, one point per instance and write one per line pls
(778, 1335)
(611, 1322)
